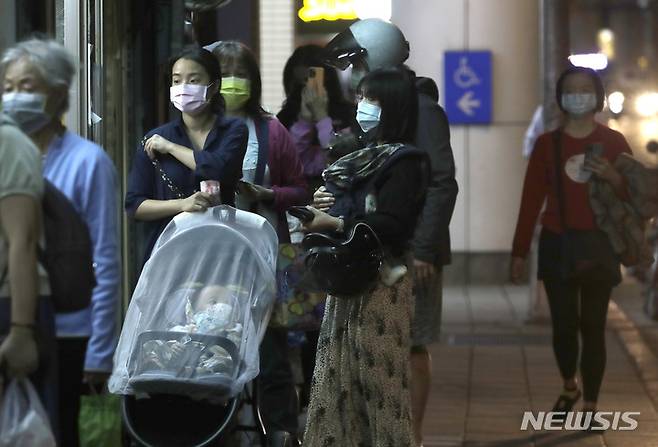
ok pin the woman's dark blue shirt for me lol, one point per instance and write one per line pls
(220, 159)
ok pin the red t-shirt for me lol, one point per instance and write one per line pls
(539, 184)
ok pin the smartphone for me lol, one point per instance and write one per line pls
(315, 79)
(244, 182)
(302, 213)
(595, 149)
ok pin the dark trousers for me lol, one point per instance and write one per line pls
(580, 307)
(71, 357)
(278, 397)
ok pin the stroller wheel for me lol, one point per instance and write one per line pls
(280, 439)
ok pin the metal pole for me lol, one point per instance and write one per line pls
(554, 53)
(554, 25)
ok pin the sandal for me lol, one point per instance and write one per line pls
(565, 402)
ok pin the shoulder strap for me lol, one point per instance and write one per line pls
(163, 175)
(263, 136)
(557, 159)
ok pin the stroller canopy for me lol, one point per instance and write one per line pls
(200, 308)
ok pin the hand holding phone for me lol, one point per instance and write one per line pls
(315, 80)
(302, 213)
(593, 150)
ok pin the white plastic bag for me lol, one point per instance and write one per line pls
(23, 420)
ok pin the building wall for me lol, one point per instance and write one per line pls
(490, 166)
(277, 35)
(7, 23)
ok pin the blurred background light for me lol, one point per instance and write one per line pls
(377, 9)
(606, 41)
(595, 61)
(646, 104)
(616, 102)
(649, 129)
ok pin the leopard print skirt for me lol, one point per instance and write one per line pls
(360, 392)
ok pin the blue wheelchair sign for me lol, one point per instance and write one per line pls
(468, 87)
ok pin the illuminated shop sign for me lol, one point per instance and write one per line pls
(314, 10)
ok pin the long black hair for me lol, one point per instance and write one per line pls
(210, 64)
(312, 56)
(395, 90)
(232, 54)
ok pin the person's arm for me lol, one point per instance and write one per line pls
(292, 190)
(183, 154)
(302, 133)
(325, 130)
(157, 144)
(19, 218)
(312, 157)
(606, 170)
(151, 209)
(224, 162)
(532, 200)
(20, 223)
(160, 209)
(433, 227)
(99, 209)
(140, 203)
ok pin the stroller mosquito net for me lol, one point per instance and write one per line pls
(200, 308)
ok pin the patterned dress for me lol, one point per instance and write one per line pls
(360, 392)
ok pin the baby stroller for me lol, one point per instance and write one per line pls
(189, 344)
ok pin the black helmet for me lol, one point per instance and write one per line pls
(343, 267)
(379, 44)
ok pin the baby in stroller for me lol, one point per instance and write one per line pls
(210, 311)
(191, 335)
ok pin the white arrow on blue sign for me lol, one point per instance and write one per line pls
(468, 90)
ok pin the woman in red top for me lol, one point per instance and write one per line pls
(580, 95)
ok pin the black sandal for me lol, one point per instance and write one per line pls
(565, 402)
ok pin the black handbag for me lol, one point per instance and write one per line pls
(344, 267)
(584, 254)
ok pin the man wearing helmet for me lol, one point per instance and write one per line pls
(368, 45)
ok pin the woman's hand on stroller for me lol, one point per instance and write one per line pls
(322, 222)
(197, 202)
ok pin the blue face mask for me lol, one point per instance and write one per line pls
(368, 115)
(27, 109)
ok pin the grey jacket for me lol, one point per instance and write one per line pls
(431, 242)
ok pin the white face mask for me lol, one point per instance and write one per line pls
(579, 104)
(28, 110)
(189, 98)
(368, 115)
